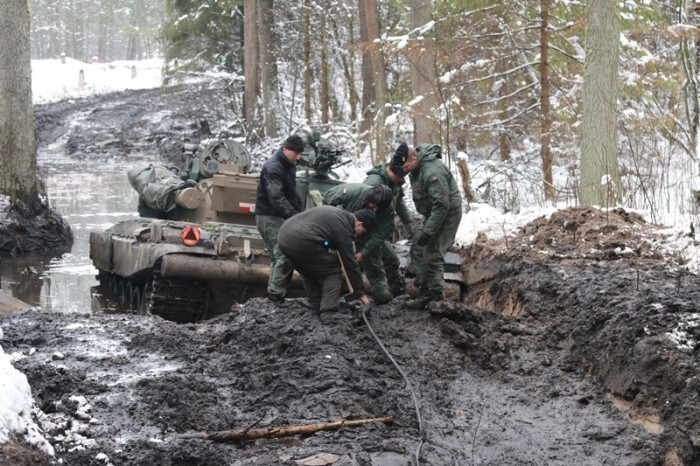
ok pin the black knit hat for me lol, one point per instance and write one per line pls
(367, 217)
(400, 155)
(380, 196)
(398, 171)
(295, 143)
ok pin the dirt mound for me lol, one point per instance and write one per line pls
(596, 286)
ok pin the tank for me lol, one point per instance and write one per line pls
(195, 251)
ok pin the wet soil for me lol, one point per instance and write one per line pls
(576, 343)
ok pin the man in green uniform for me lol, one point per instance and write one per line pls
(436, 197)
(356, 196)
(394, 177)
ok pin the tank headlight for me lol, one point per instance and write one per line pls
(190, 235)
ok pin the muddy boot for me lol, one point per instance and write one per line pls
(278, 300)
(336, 315)
(398, 286)
(383, 297)
(422, 301)
(419, 303)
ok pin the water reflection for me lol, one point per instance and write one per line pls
(87, 201)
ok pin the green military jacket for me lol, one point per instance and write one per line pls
(351, 197)
(376, 176)
(435, 191)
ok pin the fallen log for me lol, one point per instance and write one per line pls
(289, 431)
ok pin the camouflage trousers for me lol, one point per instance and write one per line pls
(281, 268)
(383, 274)
(429, 260)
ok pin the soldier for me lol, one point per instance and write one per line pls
(355, 196)
(436, 197)
(277, 200)
(394, 178)
(319, 243)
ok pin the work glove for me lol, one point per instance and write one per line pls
(423, 239)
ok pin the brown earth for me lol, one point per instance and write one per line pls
(560, 353)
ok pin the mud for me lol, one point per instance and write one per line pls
(576, 343)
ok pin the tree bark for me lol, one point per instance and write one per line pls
(373, 77)
(17, 140)
(426, 127)
(545, 116)
(689, 56)
(308, 63)
(268, 67)
(251, 66)
(276, 432)
(368, 98)
(599, 170)
(325, 71)
(466, 179)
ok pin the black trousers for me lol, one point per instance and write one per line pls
(322, 276)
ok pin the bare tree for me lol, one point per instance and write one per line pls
(373, 73)
(268, 67)
(691, 88)
(308, 64)
(599, 171)
(545, 116)
(251, 66)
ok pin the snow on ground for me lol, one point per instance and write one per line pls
(53, 80)
(57, 79)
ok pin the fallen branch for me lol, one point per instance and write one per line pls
(275, 432)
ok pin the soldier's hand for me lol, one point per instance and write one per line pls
(423, 239)
(411, 228)
(359, 257)
(364, 299)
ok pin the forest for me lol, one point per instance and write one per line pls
(571, 338)
(492, 81)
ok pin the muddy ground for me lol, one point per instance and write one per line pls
(576, 343)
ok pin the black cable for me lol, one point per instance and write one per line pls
(408, 385)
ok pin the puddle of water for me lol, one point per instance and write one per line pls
(87, 201)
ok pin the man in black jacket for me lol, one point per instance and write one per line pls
(319, 242)
(277, 200)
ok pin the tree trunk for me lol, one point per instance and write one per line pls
(54, 28)
(251, 67)
(325, 72)
(268, 67)
(349, 69)
(689, 54)
(308, 64)
(545, 116)
(367, 113)
(599, 171)
(373, 77)
(426, 127)
(17, 140)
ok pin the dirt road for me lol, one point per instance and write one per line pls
(574, 345)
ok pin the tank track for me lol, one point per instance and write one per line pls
(178, 300)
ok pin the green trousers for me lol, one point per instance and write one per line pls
(429, 260)
(281, 268)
